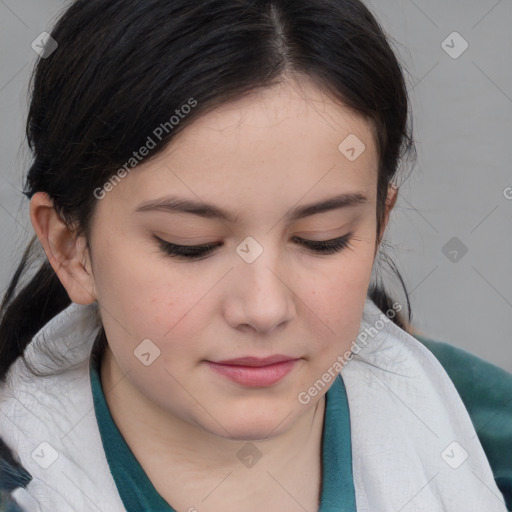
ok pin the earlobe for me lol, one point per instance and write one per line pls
(66, 253)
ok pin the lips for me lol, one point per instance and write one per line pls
(256, 361)
(255, 371)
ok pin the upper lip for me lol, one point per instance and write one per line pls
(256, 361)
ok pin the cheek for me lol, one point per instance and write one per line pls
(135, 300)
(144, 296)
(336, 297)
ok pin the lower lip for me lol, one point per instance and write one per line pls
(254, 376)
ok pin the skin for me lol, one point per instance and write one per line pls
(257, 157)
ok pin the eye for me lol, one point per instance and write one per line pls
(197, 252)
(191, 252)
(326, 246)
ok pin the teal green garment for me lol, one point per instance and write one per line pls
(486, 391)
(137, 491)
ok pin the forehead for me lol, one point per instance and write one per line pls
(271, 147)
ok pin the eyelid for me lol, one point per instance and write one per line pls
(326, 236)
(217, 243)
(202, 251)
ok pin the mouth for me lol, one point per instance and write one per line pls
(254, 371)
(257, 361)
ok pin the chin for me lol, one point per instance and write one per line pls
(252, 427)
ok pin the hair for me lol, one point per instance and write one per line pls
(122, 69)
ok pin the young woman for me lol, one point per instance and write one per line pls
(211, 184)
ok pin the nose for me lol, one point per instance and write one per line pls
(260, 297)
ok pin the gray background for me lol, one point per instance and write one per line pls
(455, 199)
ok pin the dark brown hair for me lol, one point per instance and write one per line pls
(123, 68)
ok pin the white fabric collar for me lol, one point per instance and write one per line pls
(410, 430)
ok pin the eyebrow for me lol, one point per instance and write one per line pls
(174, 204)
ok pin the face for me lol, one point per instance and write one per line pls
(266, 284)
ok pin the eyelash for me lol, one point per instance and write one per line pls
(196, 252)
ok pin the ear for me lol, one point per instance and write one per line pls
(390, 203)
(66, 253)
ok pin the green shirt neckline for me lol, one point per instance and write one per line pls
(138, 493)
